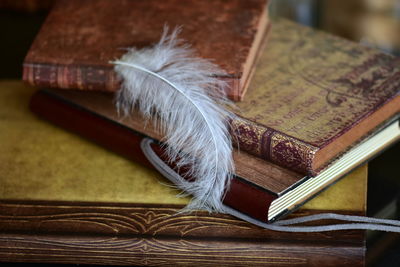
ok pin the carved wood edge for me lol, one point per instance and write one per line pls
(158, 235)
(107, 250)
(124, 219)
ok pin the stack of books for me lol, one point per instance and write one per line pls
(307, 100)
(311, 108)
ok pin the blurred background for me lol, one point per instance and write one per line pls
(371, 22)
(374, 23)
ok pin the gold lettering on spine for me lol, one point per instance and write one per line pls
(291, 152)
(247, 136)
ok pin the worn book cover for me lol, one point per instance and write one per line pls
(79, 38)
(313, 95)
(65, 200)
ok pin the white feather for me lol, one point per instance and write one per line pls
(167, 83)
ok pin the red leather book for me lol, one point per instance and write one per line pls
(260, 191)
(92, 115)
(79, 38)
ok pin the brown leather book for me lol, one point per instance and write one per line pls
(313, 95)
(66, 200)
(79, 38)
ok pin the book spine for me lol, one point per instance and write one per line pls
(99, 78)
(233, 88)
(274, 146)
(242, 195)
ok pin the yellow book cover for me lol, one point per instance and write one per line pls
(64, 199)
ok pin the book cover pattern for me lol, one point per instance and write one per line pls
(309, 89)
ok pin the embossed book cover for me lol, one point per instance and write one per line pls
(313, 96)
(66, 200)
(79, 38)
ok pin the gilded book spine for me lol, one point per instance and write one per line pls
(99, 78)
(274, 146)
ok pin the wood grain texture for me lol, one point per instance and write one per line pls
(154, 235)
(143, 219)
(164, 252)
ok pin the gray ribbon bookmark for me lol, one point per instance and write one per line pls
(287, 225)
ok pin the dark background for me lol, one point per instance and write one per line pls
(371, 22)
